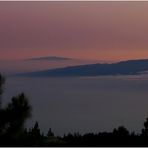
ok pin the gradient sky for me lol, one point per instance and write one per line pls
(87, 30)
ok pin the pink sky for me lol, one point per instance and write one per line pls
(107, 31)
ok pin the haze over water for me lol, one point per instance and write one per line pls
(89, 104)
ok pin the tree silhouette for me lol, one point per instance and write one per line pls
(121, 131)
(13, 116)
(17, 111)
(145, 130)
(50, 133)
(2, 112)
(12, 119)
(35, 131)
(35, 137)
(2, 81)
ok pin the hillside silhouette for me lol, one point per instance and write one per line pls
(130, 67)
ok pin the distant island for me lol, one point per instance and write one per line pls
(49, 58)
(130, 67)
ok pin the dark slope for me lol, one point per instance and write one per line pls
(131, 67)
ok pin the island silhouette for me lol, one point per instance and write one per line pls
(129, 67)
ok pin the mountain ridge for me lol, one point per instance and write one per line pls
(129, 67)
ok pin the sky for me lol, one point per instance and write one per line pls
(101, 31)
(108, 31)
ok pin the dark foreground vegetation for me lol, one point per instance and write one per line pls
(13, 132)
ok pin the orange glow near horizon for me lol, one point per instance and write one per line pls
(101, 31)
(98, 55)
